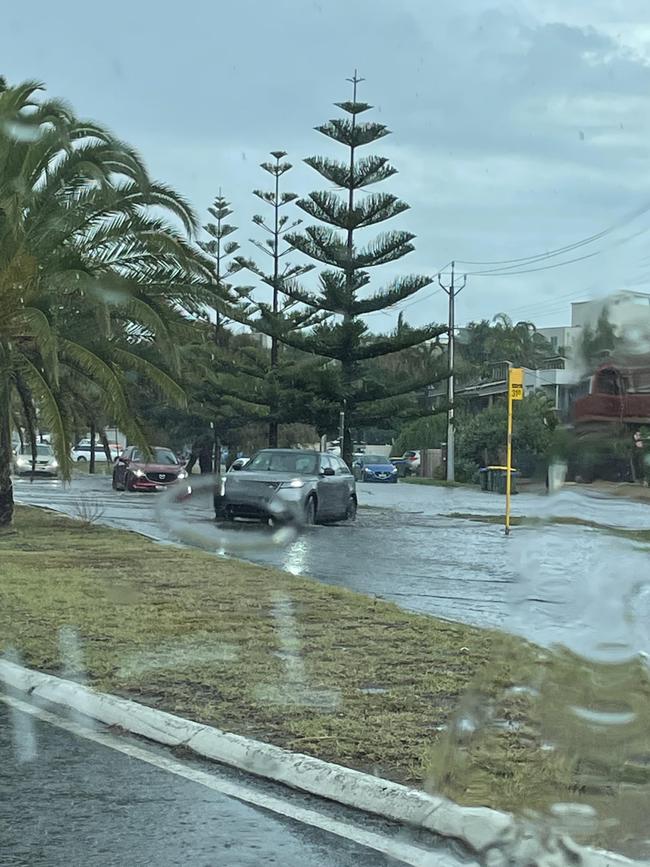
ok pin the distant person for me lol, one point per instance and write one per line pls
(201, 452)
(638, 457)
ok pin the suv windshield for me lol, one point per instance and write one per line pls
(43, 451)
(284, 462)
(158, 456)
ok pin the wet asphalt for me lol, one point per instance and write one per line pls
(77, 803)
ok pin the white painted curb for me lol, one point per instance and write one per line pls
(480, 828)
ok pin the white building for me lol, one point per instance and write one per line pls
(627, 310)
(624, 309)
(563, 338)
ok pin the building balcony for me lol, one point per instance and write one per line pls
(626, 408)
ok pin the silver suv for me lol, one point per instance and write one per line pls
(289, 486)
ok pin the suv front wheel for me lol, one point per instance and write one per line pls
(310, 512)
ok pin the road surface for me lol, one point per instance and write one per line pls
(85, 797)
(408, 546)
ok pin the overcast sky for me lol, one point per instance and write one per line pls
(517, 127)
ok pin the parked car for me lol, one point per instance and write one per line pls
(134, 472)
(409, 463)
(374, 468)
(81, 452)
(46, 463)
(289, 485)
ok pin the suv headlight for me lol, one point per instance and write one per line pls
(394, 470)
(139, 473)
(294, 483)
(182, 475)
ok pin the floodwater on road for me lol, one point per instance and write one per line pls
(409, 546)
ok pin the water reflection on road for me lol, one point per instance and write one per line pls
(408, 546)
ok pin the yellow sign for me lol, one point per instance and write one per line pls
(516, 381)
(515, 392)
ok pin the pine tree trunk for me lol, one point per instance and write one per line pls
(273, 432)
(105, 445)
(217, 452)
(6, 485)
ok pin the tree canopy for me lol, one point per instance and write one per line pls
(339, 333)
(95, 266)
(482, 343)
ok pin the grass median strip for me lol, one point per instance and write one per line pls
(291, 661)
(249, 649)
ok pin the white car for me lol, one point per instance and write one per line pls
(409, 462)
(45, 464)
(81, 452)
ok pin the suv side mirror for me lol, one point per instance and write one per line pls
(236, 466)
(328, 471)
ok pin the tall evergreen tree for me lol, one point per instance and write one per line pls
(280, 274)
(347, 339)
(224, 265)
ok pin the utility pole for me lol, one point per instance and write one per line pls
(452, 291)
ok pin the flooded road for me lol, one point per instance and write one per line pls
(578, 590)
(409, 546)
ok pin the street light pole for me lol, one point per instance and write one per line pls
(452, 291)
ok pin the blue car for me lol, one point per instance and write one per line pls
(374, 468)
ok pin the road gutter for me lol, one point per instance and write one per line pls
(497, 838)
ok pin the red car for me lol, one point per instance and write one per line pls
(133, 472)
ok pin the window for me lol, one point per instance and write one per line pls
(301, 463)
(42, 451)
(340, 466)
(327, 462)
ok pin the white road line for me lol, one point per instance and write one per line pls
(403, 852)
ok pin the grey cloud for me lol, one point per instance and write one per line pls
(517, 127)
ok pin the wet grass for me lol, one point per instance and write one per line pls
(523, 521)
(307, 666)
(203, 637)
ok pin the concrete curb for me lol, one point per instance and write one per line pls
(494, 835)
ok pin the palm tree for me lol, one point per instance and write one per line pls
(89, 274)
(485, 343)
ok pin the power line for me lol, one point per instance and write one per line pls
(414, 301)
(549, 303)
(628, 218)
(498, 272)
(505, 272)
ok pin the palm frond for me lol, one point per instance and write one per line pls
(49, 410)
(166, 385)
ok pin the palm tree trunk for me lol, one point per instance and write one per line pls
(93, 434)
(6, 485)
(105, 445)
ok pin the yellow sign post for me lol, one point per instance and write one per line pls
(515, 392)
